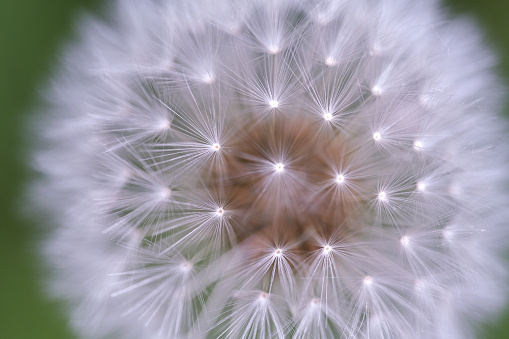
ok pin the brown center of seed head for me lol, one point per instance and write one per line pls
(280, 176)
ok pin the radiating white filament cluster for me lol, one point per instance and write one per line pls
(392, 227)
(279, 167)
(274, 103)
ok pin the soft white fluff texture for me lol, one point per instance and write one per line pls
(151, 95)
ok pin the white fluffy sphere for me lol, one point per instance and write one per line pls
(275, 169)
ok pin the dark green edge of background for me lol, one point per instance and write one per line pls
(32, 33)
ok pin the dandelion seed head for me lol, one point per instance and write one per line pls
(424, 99)
(235, 169)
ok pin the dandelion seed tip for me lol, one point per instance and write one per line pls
(368, 280)
(418, 145)
(425, 100)
(220, 212)
(420, 285)
(322, 18)
(186, 266)
(376, 49)
(164, 125)
(216, 147)
(340, 178)
(382, 196)
(376, 90)
(274, 103)
(273, 49)
(421, 186)
(278, 252)
(166, 193)
(377, 136)
(264, 296)
(327, 116)
(330, 61)
(208, 78)
(447, 234)
(405, 241)
(327, 249)
(279, 167)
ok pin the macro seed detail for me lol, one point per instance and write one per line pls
(275, 169)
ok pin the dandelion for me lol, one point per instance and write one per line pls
(275, 169)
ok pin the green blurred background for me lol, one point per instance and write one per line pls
(32, 33)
